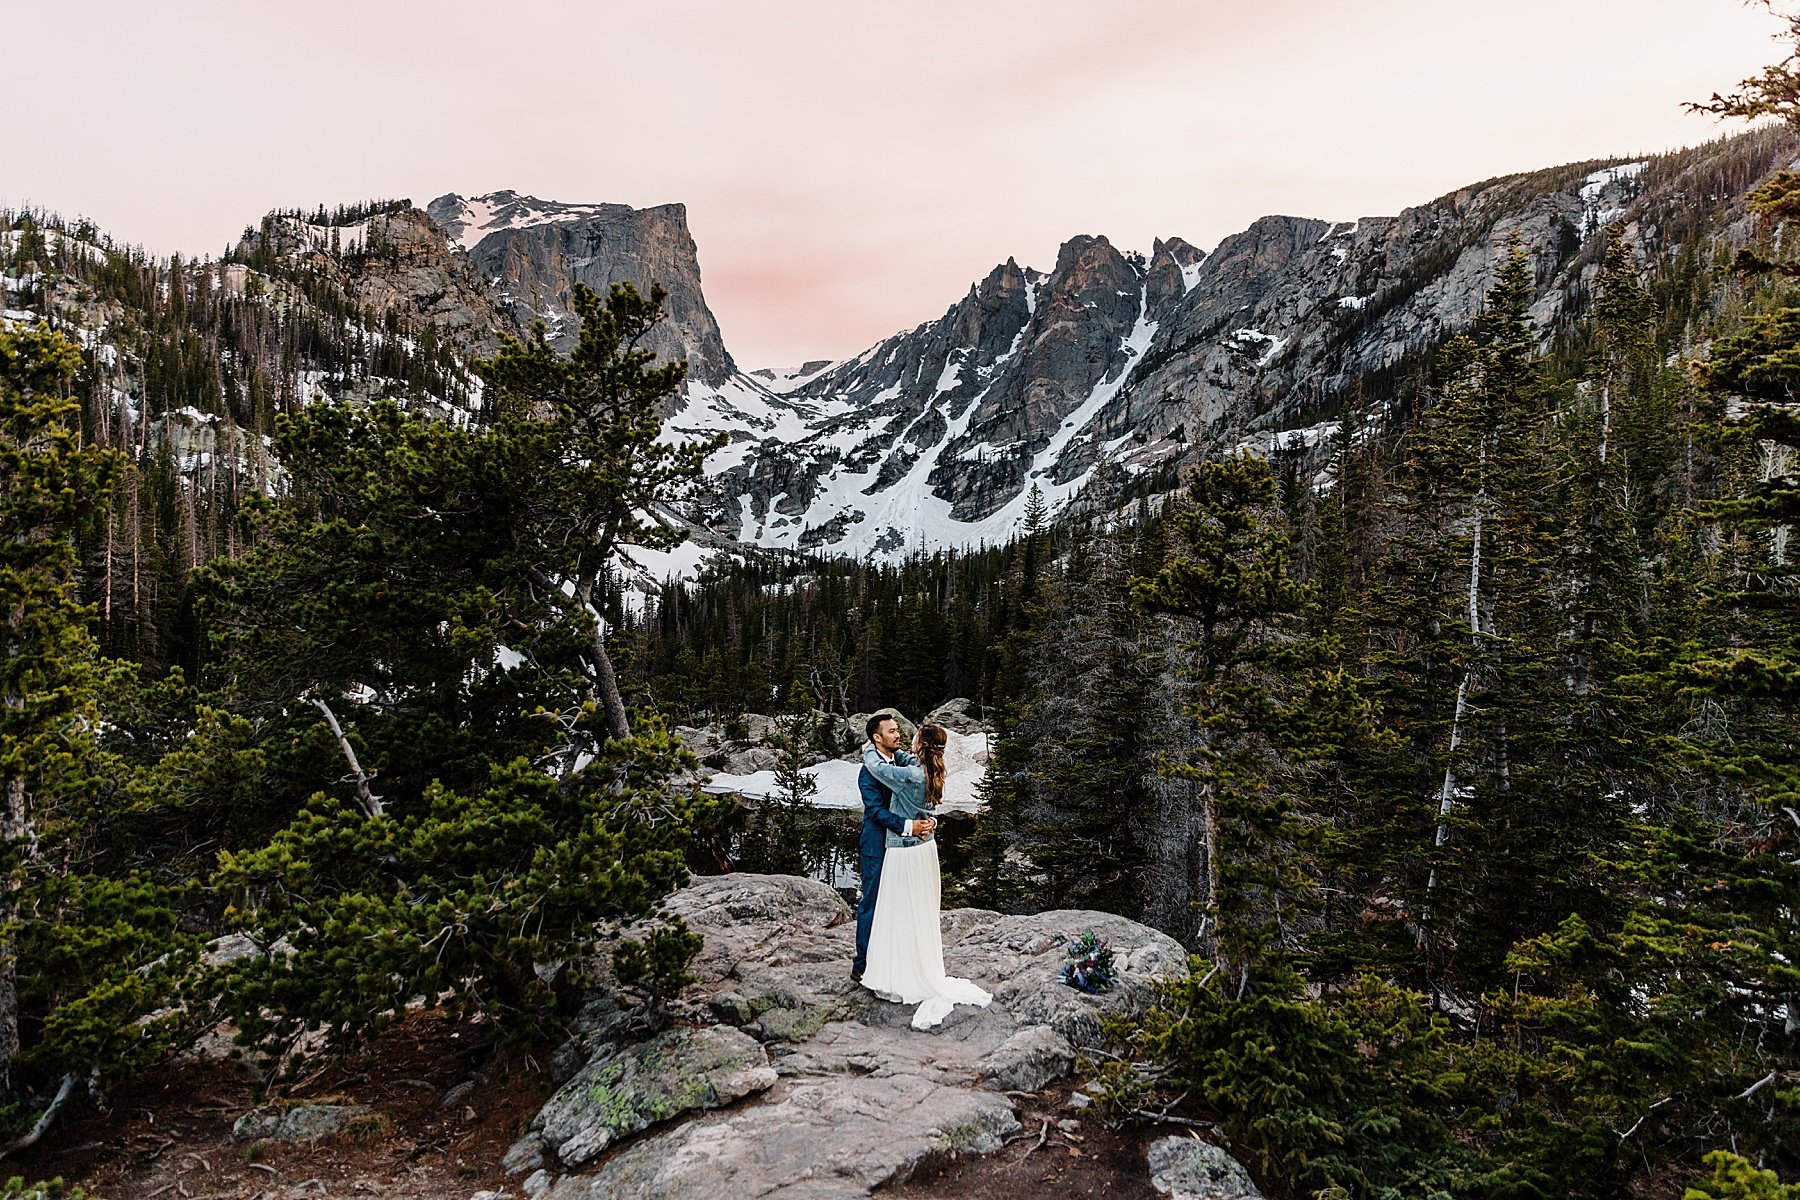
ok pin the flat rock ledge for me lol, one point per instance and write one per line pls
(789, 1081)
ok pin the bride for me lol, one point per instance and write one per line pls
(906, 948)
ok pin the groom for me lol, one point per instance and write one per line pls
(878, 818)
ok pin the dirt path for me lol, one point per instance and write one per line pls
(168, 1137)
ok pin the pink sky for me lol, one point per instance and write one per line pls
(849, 167)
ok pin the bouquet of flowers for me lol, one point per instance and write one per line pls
(1090, 965)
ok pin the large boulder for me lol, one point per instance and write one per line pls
(629, 1088)
(1028, 1060)
(954, 715)
(1186, 1168)
(859, 1098)
(829, 1137)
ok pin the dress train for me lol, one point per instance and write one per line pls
(906, 946)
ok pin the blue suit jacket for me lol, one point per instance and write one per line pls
(878, 816)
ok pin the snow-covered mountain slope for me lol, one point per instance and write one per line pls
(908, 435)
(1078, 381)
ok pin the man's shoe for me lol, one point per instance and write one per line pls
(855, 975)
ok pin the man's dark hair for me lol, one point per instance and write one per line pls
(875, 723)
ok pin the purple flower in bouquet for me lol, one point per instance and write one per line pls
(1090, 964)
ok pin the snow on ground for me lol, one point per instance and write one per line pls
(744, 405)
(1246, 339)
(319, 236)
(965, 761)
(481, 215)
(782, 380)
(650, 568)
(1267, 442)
(1594, 190)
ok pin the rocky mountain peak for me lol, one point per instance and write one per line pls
(1112, 364)
(534, 252)
(1086, 263)
(394, 262)
(1174, 265)
(467, 220)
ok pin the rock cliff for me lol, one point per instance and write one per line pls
(532, 253)
(1097, 378)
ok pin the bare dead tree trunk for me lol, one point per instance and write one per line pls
(30, 1136)
(367, 800)
(1605, 418)
(1209, 816)
(15, 829)
(1447, 793)
(106, 585)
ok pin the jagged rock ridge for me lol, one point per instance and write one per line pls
(1079, 380)
(1086, 381)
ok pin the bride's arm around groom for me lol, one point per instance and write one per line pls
(903, 777)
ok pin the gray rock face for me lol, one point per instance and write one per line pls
(627, 1089)
(301, 1123)
(533, 252)
(1185, 1168)
(821, 1138)
(860, 1099)
(954, 715)
(1078, 336)
(401, 263)
(1029, 1059)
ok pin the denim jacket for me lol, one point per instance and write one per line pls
(907, 783)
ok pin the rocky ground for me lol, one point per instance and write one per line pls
(778, 1078)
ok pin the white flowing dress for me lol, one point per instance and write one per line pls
(906, 945)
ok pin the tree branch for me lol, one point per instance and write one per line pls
(605, 681)
(1757, 1086)
(31, 1136)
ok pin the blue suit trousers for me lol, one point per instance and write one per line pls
(865, 907)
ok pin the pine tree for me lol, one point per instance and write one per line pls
(404, 617)
(1084, 792)
(84, 957)
(1238, 834)
(588, 428)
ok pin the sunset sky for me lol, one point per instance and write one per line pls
(849, 167)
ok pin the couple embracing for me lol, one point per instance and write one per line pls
(899, 948)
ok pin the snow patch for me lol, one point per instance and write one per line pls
(1247, 339)
(497, 211)
(1597, 187)
(965, 761)
(1267, 442)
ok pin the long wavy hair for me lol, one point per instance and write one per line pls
(932, 739)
